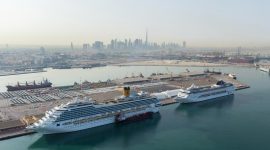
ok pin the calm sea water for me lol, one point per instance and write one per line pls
(239, 122)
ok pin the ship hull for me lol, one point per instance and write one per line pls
(135, 118)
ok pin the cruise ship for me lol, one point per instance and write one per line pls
(198, 94)
(84, 114)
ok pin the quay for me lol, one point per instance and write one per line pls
(20, 108)
(15, 134)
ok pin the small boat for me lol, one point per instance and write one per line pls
(264, 69)
(232, 76)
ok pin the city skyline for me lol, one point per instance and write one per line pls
(128, 43)
(202, 23)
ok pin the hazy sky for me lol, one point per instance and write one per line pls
(199, 22)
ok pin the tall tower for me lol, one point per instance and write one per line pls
(71, 46)
(184, 44)
(239, 51)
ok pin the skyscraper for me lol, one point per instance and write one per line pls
(146, 38)
(184, 44)
(98, 45)
(71, 46)
(239, 51)
(112, 46)
(126, 43)
(86, 46)
(129, 43)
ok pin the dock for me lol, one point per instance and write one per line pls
(14, 134)
(17, 104)
(238, 85)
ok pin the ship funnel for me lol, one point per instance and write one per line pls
(126, 91)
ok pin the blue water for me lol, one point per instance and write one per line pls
(239, 122)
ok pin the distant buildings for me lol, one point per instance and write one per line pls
(184, 44)
(129, 44)
(71, 46)
(98, 45)
(86, 46)
(42, 50)
(138, 43)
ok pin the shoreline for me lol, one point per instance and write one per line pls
(178, 63)
(18, 73)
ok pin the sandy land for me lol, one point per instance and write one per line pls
(181, 63)
(172, 63)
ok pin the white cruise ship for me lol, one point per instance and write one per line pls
(198, 94)
(83, 114)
